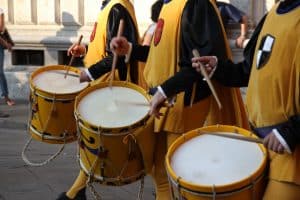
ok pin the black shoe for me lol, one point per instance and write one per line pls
(80, 196)
(62, 196)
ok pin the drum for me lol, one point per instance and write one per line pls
(116, 133)
(202, 166)
(52, 100)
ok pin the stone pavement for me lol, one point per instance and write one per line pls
(21, 182)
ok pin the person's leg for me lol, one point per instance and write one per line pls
(277, 190)
(3, 82)
(77, 191)
(9, 101)
(159, 173)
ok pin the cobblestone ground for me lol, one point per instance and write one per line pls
(21, 182)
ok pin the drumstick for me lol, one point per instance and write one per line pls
(115, 58)
(165, 104)
(72, 58)
(134, 103)
(204, 73)
(234, 136)
(61, 72)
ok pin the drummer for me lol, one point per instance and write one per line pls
(271, 70)
(168, 72)
(98, 60)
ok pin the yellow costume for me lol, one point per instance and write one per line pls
(162, 63)
(273, 96)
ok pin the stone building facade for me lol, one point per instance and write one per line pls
(44, 29)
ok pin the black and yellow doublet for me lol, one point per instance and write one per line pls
(184, 25)
(272, 69)
(99, 56)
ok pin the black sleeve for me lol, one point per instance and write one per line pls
(181, 81)
(201, 30)
(291, 132)
(237, 75)
(139, 53)
(6, 36)
(232, 74)
(117, 13)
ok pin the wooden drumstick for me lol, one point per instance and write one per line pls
(234, 136)
(115, 58)
(72, 58)
(165, 104)
(204, 73)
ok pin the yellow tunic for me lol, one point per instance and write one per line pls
(162, 63)
(274, 90)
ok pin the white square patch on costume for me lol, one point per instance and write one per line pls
(268, 44)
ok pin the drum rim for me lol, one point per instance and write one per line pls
(42, 93)
(218, 193)
(117, 180)
(218, 188)
(104, 129)
(51, 138)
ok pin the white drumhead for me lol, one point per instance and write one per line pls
(53, 81)
(115, 107)
(214, 160)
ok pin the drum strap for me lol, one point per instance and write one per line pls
(178, 186)
(34, 108)
(134, 149)
(214, 192)
(128, 78)
(28, 162)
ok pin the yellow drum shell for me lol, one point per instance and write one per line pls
(112, 164)
(56, 110)
(243, 189)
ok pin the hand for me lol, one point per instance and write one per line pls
(240, 41)
(84, 77)
(119, 45)
(76, 50)
(156, 103)
(209, 63)
(9, 47)
(271, 142)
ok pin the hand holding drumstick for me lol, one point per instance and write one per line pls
(76, 49)
(115, 58)
(197, 63)
(73, 55)
(209, 63)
